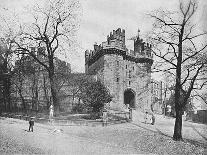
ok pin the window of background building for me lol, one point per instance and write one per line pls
(129, 82)
(117, 63)
(126, 66)
(133, 68)
(117, 79)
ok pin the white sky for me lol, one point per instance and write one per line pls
(100, 17)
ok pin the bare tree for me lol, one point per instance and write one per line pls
(51, 30)
(179, 46)
(6, 61)
(19, 80)
(8, 31)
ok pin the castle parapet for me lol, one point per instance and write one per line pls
(117, 38)
(115, 44)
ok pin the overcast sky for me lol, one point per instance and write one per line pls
(100, 17)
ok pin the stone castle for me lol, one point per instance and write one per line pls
(126, 73)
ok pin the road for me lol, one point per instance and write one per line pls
(126, 138)
(15, 139)
(165, 125)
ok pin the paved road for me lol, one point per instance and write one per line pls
(126, 138)
(165, 125)
(15, 139)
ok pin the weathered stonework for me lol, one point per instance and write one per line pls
(125, 73)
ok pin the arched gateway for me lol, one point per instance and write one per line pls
(129, 98)
(110, 59)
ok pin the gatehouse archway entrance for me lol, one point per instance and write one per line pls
(129, 98)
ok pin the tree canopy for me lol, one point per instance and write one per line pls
(180, 47)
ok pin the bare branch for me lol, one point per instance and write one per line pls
(166, 24)
(188, 73)
(193, 55)
(164, 58)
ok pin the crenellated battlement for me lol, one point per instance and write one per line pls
(118, 35)
(115, 44)
(142, 48)
(123, 71)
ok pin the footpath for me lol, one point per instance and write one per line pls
(192, 132)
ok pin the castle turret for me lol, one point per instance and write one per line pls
(86, 55)
(138, 45)
(117, 37)
(95, 47)
(141, 47)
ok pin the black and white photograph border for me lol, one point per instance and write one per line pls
(103, 77)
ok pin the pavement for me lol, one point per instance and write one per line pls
(194, 132)
(126, 138)
(46, 139)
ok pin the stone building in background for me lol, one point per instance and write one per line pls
(30, 82)
(126, 73)
(158, 95)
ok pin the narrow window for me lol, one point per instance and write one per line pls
(117, 79)
(117, 63)
(126, 66)
(129, 74)
(129, 82)
(133, 68)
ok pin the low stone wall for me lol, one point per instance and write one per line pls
(66, 121)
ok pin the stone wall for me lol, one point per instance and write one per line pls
(120, 75)
(122, 70)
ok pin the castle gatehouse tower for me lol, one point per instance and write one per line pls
(126, 73)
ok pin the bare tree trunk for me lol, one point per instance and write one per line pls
(4, 96)
(178, 121)
(52, 84)
(45, 91)
(178, 125)
(23, 101)
(178, 108)
(35, 103)
(164, 101)
(6, 86)
(54, 93)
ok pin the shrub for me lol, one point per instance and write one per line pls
(94, 96)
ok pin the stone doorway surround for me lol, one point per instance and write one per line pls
(129, 97)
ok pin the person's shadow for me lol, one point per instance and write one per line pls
(25, 130)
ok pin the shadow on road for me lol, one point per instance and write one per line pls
(194, 142)
(160, 132)
(198, 132)
(143, 127)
